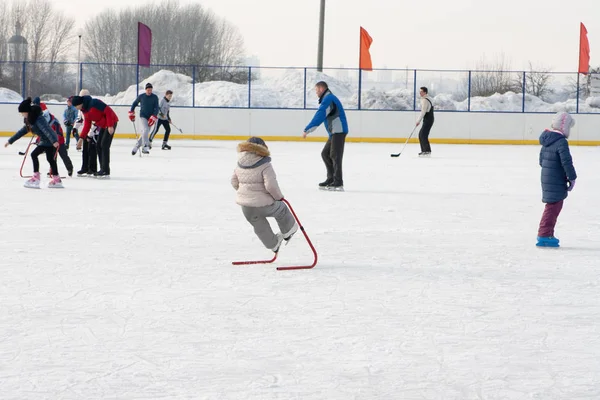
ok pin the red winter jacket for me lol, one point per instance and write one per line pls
(96, 111)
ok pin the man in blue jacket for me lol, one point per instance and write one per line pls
(148, 102)
(332, 113)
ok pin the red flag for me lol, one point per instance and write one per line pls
(144, 44)
(584, 51)
(365, 56)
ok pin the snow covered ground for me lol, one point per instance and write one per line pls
(428, 286)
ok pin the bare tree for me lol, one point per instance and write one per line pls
(494, 77)
(5, 34)
(47, 33)
(183, 38)
(537, 82)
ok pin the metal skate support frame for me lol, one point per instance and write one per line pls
(275, 256)
(25, 158)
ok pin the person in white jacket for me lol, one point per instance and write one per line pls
(259, 194)
(427, 118)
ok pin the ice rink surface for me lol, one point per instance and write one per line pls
(428, 285)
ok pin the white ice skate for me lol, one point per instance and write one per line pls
(55, 183)
(288, 235)
(33, 182)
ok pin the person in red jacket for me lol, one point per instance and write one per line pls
(105, 119)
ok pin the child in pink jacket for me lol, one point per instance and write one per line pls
(259, 195)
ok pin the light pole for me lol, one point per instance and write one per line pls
(17, 53)
(77, 84)
(321, 35)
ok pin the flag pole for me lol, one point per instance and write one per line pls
(137, 69)
(359, 68)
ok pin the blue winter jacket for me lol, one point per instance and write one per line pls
(70, 115)
(332, 112)
(148, 105)
(557, 166)
(36, 122)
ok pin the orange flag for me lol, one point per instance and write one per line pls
(584, 51)
(365, 56)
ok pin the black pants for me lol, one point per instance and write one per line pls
(167, 125)
(88, 156)
(104, 143)
(424, 136)
(64, 155)
(50, 156)
(332, 155)
(68, 137)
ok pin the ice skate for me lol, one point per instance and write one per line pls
(279, 237)
(288, 235)
(55, 183)
(146, 150)
(165, 146)
(33, 182)
(334, 187)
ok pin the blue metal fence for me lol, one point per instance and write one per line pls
(293, 87)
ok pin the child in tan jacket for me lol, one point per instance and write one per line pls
(259, 195)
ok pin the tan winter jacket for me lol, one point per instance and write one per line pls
(254, 178)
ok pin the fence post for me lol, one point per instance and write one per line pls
(193, 86)
(137, 80)
(359, 86)
(304, 88)
(249, 87)
(577, 101)
(523, 108)
(80, 77)
(415, 90)
(23, 80)
(469, 92)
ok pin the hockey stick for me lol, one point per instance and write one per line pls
(405, 143)
(180, 131)
(25, 157)
(275, 256)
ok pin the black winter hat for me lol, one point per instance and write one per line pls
(25, 105)
(77, 100)
(148, 85)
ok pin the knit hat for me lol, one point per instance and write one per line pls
(148, 85)
(77, 100)
(563, 122)
(25, 105)
(258, 141)
(36, 100)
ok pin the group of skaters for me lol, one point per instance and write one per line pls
(93, 124)
(260, 197)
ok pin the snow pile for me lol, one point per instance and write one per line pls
(286, 91)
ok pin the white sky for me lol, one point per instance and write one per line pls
(433, 34)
